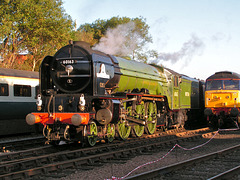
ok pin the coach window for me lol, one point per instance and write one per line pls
(4, 90)
(22, 90)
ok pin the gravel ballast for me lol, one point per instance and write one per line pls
(222, 140)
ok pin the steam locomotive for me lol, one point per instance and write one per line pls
(87, 95)
(222, 99)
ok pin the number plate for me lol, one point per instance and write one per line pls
(69, 61)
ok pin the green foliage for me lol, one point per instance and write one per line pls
(38, 27)
(99, 27)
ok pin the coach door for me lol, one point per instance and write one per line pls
(176, 93)
(185, 93)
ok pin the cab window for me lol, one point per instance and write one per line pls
(229, 84)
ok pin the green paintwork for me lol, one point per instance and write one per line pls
(139, 75)
(157, 80)
(185, 93)
(176, 92)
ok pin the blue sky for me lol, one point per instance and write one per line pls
(215, 24)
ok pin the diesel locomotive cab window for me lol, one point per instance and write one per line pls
(22, 90)
(4, 90)
(223, 84)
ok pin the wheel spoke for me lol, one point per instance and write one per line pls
(92, 137)
(138, 130)
(151, 112)
(110, 132)
(123, 130)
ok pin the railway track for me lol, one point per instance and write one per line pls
(223, 164)
(20, 143)
(48, 159)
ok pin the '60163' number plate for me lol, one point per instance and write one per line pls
(69, 61)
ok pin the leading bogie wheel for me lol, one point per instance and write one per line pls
(110, 132)
(92, 134)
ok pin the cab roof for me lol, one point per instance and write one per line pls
(224, 75)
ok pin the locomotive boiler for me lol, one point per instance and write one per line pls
(88, 95)
(222, 98)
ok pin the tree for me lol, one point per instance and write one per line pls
(86, 37)
(132, 33)
(36, 27)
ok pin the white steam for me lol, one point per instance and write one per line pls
(124, 40)
(121, 41)
(192, 47)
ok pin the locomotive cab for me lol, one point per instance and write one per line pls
(222, 97)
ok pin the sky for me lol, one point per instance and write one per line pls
(195, 37)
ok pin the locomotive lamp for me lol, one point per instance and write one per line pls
(82, 103)
(39, 103)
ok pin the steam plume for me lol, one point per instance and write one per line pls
(121, 40)
(190, 48)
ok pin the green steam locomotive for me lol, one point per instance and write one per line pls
(87, 96)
